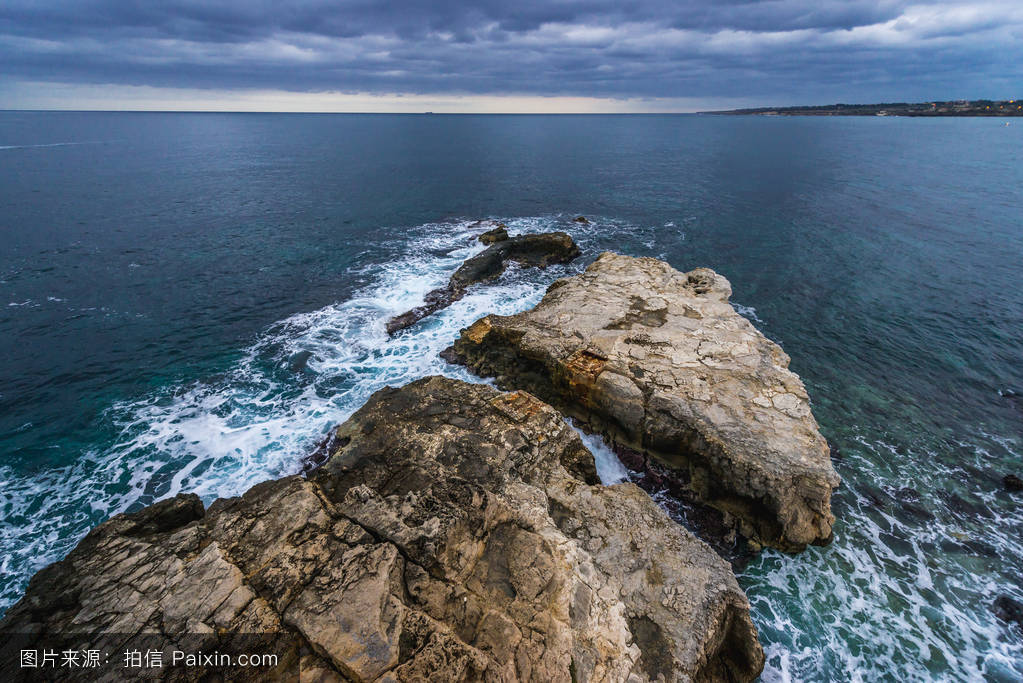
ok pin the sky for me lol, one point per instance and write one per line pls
(503, 55)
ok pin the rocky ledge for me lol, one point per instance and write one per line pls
(659, 362)
(529, 251)
(454, 533)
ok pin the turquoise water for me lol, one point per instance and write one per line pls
(163, 276)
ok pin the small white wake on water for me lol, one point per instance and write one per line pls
(746, 312)
(51, 144)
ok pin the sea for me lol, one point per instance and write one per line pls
(190, 301)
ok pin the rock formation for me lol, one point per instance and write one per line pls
(499, 233)
(536, 251)
(454, 533)
(660, 362)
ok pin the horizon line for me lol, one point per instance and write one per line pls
(359, 113)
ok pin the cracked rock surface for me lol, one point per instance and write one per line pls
(454, 533)
(660, 362)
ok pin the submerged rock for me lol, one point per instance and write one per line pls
(531, 251)
(1008, 609)
(659, 361)
(1012, 483)
(300, 361)
(454, 533)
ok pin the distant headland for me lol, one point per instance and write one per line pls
(951, 108)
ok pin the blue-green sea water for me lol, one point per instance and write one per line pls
(162, 277)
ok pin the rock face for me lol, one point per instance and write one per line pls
(660, 362)
(531, 251)
(455, 533)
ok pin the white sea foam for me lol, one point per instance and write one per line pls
(609, 468)
(746, 311)
(895, 595)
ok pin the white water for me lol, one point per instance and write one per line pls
(609, 468)
(895, 597)
(50, 144)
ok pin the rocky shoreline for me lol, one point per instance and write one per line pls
(454, 531)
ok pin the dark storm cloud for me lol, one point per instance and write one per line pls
(571, 47)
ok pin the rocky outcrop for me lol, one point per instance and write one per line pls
(660, 362)
(530, 251)
(499, 233)
(454, 533)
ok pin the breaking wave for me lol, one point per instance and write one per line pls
(260, 417)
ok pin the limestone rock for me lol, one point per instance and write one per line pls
(455, 533)
(660, 362)
(530, 251)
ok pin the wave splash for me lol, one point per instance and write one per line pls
(262, 416)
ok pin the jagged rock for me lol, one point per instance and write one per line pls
(660, 362)
(531, 251)
(435, 300)
(580, 219)
(455, 533)
(497, 234)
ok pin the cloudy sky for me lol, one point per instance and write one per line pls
(503, 55)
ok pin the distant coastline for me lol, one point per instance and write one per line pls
(951, 108)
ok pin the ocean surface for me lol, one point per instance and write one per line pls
(188, 302)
